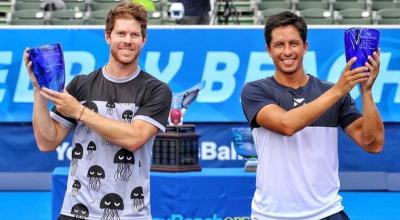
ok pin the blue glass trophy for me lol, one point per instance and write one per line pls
(244, 146)
(360, 43)
(48, 66)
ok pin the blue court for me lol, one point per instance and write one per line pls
(363, 205)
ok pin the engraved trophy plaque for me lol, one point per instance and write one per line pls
(360, 43)
(48, 66)
(176, 150)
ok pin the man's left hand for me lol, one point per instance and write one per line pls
(373, 67)
(65, 104)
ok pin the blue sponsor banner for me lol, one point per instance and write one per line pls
(19, 153)
(225, 58)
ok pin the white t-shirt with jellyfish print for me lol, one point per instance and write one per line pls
(106, 181)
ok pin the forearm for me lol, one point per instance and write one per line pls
(372, 125)
(118, 133)
(299, 118)
(43, 125)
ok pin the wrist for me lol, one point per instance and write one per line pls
(366, 91)
(338, 92)
(79, 115)
(36, 88)
(366, 95)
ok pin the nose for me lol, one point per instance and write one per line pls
(287, 51)
(127, 39)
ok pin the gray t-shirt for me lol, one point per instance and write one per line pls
(106, 181)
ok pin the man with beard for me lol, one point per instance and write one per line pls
(294, 118)
(125, 108)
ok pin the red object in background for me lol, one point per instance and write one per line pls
(175, 116)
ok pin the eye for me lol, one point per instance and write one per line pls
(135, 194)
(107, 203)
(128, 158)
(135, 35)
(99, 173)
(83, 212)
(91, 173)
(117, 204)
(121, 157)
(77, 153)
(141, 194)
(76, 210)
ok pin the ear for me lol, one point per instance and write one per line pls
(306, 47)
(268, 49)
(107, 37)
(144, 41)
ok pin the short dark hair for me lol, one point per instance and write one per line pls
(127, 10)
(283, 19)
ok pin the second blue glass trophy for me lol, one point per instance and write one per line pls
(361, 43)
(244, 145)
(48, 66)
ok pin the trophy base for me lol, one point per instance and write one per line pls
(176, 150)
(251, 165)
(185, 168)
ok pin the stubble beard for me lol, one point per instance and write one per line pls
(115, 56)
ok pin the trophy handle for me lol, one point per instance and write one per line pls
(189, 97)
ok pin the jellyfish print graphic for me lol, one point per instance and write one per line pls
(124, 159)
(127, 116)
(90, 148)
(111, 203)
(104, 142)
(77, 154)
(95, 174)
(137, 199)
(76, 186)
(93, 107)
(110, 105)
(80, 211)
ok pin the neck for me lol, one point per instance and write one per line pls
(119, 70)
(294, 81)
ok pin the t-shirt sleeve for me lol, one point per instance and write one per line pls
(348, 111)
(156, 106)
(253, 98)
(68, 122)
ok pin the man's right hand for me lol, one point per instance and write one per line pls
(28, 65)
(350, 78)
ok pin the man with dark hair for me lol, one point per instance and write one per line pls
(294, 118)
(116, 111)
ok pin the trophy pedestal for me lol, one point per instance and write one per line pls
(251, 165)
(176, 150)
